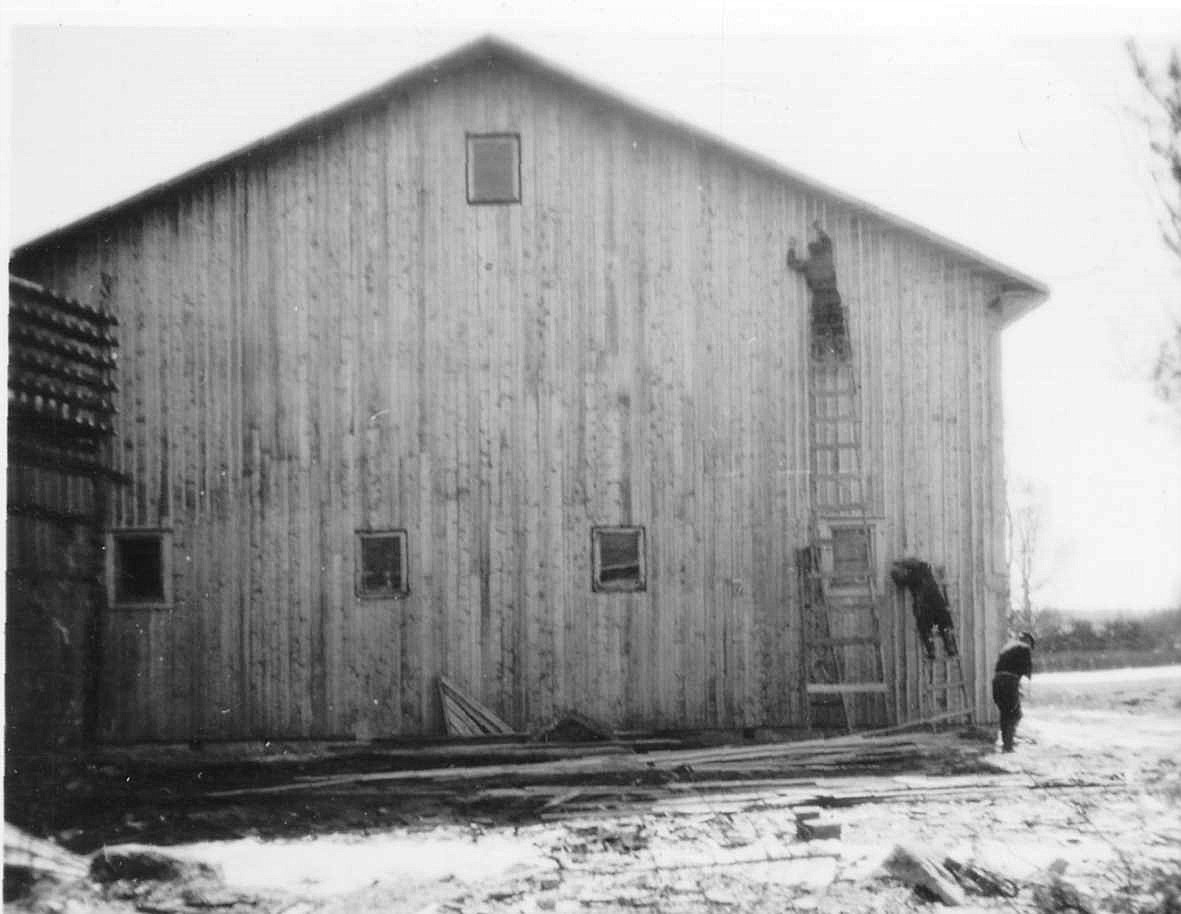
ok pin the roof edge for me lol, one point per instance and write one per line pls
(1014, 303)
(488, 46)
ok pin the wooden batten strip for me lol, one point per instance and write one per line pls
(95, 355)
(59, 303)
(51, 366)
(45, 317)
(71, 394)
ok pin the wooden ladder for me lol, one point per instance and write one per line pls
(842, 648)
(943, 677)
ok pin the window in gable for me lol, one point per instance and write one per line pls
(493, 168)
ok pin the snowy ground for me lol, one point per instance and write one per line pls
(1094, 792)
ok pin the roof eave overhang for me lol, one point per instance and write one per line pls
(1016, 300)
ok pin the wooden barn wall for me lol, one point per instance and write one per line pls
(49, 600)
(327, 337)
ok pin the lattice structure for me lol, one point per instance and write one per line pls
(60, 375)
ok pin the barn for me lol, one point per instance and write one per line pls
(492, 377)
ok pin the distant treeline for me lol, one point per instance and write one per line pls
(1072, 641)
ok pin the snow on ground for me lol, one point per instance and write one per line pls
(324, 867)
(1105, 678)
(1094, 787)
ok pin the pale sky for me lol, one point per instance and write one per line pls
(1006, 127)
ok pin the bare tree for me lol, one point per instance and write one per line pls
(1164, 126)
(1026, 531)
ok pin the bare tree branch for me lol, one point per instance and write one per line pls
(1166, 99)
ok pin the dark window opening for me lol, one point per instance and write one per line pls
(850, 552)
(618, 558)
(381, 565)
(494, 168)
(138, 568)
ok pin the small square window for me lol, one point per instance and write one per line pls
(617, 555)
(850, 552)
(494, 168)
(137, 562)
(381, 564)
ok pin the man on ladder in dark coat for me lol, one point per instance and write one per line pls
(1015, 660)
(828, 316)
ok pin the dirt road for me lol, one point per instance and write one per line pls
(1093, 793)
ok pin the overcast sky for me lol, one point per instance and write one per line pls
(1008, 127)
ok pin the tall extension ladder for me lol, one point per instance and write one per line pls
(838, 571)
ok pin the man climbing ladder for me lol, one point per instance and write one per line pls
(828, 318)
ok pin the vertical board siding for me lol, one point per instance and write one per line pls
(327, 338)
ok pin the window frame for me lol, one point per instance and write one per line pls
(640, 584)
(469, 162)
(397, 593)
(830, 529)
(163, 535)
(862, 536)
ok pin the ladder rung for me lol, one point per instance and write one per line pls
(839, 688)
(850, 600)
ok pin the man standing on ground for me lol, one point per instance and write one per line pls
(1015, 660)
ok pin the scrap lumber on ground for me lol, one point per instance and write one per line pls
(980, 881)
(923, 871)
(619, 762)
(716, 797)
(677, 766)
(838, 752)
(574, 725)
(610, 763)
(817, 829)
(36, 857)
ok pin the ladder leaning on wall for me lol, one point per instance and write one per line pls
(943, 677)
(842, 640)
